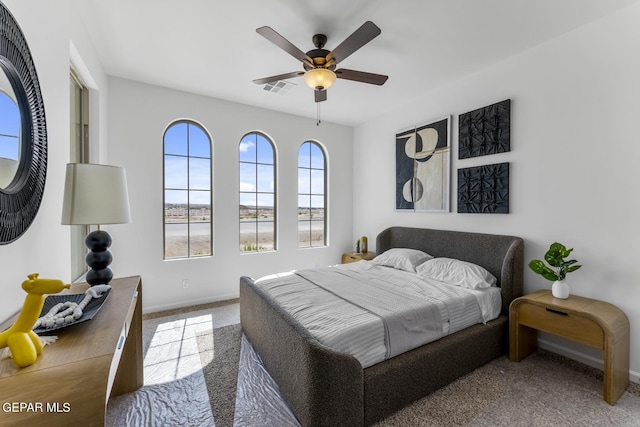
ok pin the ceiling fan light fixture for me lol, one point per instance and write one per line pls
(319, 78)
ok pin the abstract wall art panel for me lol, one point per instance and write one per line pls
(485, 131)
(422, 168)
(484, 189)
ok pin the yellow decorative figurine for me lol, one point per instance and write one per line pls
(24, 344)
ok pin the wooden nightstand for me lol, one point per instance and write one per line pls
(357, 256)
(72, 379)
(594, 323)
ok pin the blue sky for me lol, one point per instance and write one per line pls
(9, 127)
(311, 166)
(182, 172)
(257, 169)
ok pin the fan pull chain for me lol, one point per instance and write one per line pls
(318, 121)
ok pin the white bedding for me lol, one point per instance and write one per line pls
(359, 329)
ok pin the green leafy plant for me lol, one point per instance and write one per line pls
(559, 268)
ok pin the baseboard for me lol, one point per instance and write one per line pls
(588, 360)
(183, 304)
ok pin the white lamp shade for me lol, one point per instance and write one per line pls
(95, 194)
(8, 169)
(319, 78)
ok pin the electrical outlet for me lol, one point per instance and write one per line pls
(185, 283)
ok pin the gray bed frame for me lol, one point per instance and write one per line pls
(326, 388)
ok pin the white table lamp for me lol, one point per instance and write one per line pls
(93, 195)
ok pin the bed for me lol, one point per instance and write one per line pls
(324, 387)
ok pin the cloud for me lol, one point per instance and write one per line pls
(246, 146)
(244, 186)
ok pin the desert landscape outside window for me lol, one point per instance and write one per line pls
(257, 210)
(312, 182)
(188, 217)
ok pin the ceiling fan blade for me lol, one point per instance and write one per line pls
(361, 76)
(363, 35)
(320, 95)
(266, 80)
(274, 37)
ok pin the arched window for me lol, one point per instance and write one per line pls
(312, 195)
(188, 216)
(257, 193)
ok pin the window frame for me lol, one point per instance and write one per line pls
(311, 194)
(80, 150)
(274, 193)
(188, 190)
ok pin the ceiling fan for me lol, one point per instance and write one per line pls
(320, 64)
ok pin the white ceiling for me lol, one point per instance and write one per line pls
(210, 47)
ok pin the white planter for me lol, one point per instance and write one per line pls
(560, 289)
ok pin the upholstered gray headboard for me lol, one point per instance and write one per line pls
(502, 256)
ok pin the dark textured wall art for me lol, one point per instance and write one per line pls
(484, 189)
(485, 131)
(422, 168)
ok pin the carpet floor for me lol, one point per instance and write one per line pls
(223, 384)
(222, 348)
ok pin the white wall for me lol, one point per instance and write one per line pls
(138, 116)
(574, 154)
(574, 151)
(48, 28)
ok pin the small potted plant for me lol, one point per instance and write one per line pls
(557, 270)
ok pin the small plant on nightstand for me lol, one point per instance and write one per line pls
(557, 270)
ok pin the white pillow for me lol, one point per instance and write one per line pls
(402, 258)
(456, 272)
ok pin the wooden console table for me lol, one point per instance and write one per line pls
(594, 323)
(72, 379)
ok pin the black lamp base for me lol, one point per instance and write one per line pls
(99, 258)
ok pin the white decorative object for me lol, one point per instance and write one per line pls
(68, 311)
(560, 289)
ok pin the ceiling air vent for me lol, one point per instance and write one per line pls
(279, 86)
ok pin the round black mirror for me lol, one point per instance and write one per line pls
(24, 149)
